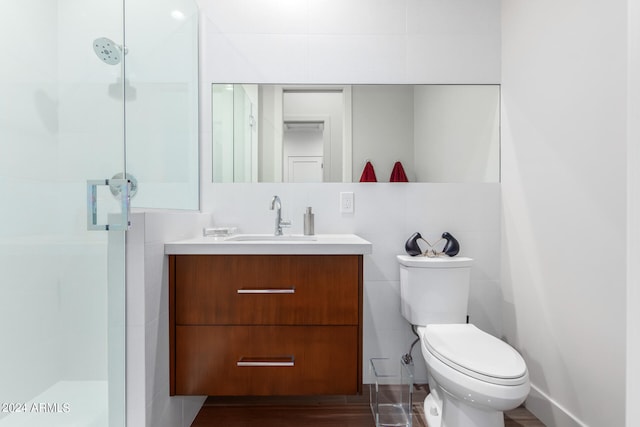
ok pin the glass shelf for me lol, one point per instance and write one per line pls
(391, 396)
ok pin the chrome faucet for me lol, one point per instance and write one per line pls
(277, 205)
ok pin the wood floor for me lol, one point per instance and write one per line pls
(317, 411)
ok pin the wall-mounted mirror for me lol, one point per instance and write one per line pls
(328, 133)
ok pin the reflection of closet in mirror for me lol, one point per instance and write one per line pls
(303, 150)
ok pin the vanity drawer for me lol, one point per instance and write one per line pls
(266, 360)
(267, 289)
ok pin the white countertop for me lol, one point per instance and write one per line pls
(322, 244)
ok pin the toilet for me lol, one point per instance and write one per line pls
(473, 376)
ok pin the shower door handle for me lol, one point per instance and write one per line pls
(121, 221)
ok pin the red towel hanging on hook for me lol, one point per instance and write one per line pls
(397, 174)
(368, 174)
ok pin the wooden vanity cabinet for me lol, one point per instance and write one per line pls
(265, 324)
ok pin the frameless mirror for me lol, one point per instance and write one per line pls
(329, 133)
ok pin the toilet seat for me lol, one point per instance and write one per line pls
(475, 353)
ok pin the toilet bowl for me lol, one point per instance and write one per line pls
(473, 376)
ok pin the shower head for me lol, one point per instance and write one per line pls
(108, 51)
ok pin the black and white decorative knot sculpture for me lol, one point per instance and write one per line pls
(451, 247)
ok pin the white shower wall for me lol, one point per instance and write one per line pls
(148, 401)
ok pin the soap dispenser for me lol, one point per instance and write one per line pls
(308, 222)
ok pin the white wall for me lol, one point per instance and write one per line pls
(633, 217)
(358, 41)
(337, 42)
(564, 178)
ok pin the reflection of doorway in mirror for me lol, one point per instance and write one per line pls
(320, 104)
(303, 150)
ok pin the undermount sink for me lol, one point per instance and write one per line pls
(269, 238)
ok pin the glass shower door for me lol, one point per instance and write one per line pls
(62, 287)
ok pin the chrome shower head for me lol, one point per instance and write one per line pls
(109, 52)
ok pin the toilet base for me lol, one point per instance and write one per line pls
(432, 411)
(458, 414)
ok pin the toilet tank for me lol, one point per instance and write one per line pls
(434, 290)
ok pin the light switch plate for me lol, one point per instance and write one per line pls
(346, 202)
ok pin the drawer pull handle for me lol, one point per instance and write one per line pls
(267, 291)
(282, 361)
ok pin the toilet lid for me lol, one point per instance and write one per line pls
(436, 262)
(475, 353)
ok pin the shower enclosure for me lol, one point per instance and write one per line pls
(69, 120)
(62, 287)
